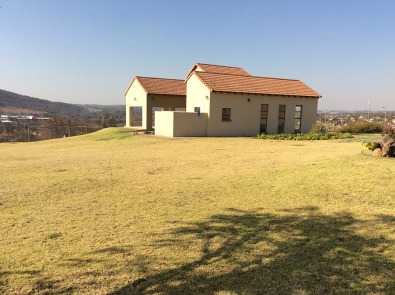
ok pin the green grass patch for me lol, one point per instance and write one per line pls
(111, 134)
(362, 127)
(306, 136)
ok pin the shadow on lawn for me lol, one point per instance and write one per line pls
(296, 251)
(301, 251)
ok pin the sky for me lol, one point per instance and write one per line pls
(87, 51)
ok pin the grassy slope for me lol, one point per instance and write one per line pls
(109, 212)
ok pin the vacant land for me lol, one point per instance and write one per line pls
(120, 214)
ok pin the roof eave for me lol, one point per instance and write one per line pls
(269, 94)
(169, 94)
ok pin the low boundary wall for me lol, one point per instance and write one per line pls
(180, 124)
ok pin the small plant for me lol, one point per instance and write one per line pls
(306, 136)
(53, 236)
(371, 146)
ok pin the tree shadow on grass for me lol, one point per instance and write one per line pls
(298, 251)
(43, 285)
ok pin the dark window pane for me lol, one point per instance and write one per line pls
(226, 114)
(281, 118)
(136, 116)
(263, 118)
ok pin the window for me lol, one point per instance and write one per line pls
(136, 116)
(264, 117)
(298, 118)
(226, 114)
(197, 110)
(281, 118)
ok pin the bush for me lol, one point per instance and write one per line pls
(362, 127)
(306, 136)
(390, 130)
(371, 146)
(319, 128)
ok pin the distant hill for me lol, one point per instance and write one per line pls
(13, 103)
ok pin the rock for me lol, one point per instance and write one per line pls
(392, 150)
(386, 146)
(377, 153)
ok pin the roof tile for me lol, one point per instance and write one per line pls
(163, 86)
(223, 69)
(255, 85)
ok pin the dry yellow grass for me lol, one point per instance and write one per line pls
(120, 214)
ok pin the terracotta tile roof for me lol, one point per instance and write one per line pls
(255, 85)
(223, 69)
(218, 69)
(161, 85)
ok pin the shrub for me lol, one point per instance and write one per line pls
(371, 146)
(306, 136)
(319, 128)
(390, 130)
(362, 127)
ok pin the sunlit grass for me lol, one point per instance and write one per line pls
(111, 212)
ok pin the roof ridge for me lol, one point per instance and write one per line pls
(234, 67)
(266, 77)
(159, 78)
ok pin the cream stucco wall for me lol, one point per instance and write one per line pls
(198, 95)
(245, 113)
(164, 123)
(179, 124)
(190, 124)
(136, 96)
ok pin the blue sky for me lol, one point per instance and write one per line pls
(86, 51)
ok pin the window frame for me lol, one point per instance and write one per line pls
(298, 117)
(282, 114)
(135, 116)
(263, 118)
(226, 117)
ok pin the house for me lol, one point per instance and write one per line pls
(146, 95)
(216, 100)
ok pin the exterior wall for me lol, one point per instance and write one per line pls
(136, 96)
(163, 101)
(198, 95)
(180, 124)
(190, 124)
(164, 124)
(245, 115)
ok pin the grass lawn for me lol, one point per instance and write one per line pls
(111, 213)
